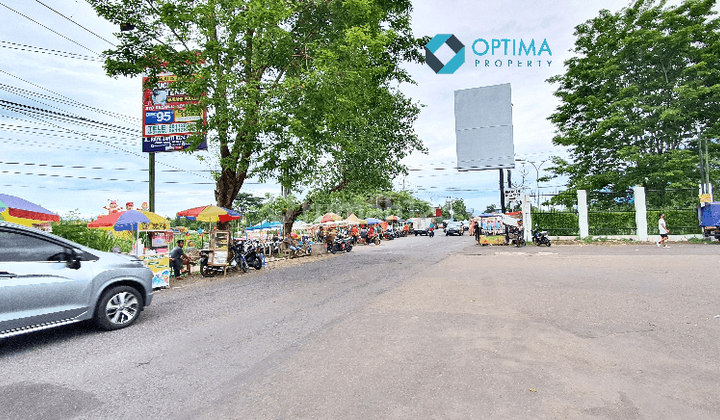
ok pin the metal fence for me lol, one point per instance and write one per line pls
(679, 206)
(612, 213)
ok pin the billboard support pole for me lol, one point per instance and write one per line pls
(502, 191)
(151, 184)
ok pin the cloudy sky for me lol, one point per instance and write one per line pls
(51, 63)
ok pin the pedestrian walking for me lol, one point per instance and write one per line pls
(662, 227)
(477, 231)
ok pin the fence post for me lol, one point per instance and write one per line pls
(583, 213)
(527, 216)
(640, 213)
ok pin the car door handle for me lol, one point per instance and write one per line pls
(6, 274)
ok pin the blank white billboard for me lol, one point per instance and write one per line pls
(483, 128)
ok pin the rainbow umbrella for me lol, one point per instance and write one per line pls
(126, 220)
(209, 214)
(23, 209)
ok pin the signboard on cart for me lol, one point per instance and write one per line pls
(160, 266)
(167, 123)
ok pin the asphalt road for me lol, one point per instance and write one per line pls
(421, 328)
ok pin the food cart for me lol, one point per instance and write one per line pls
(217, 252)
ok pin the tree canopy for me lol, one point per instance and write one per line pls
(299, 91)
(642, 90)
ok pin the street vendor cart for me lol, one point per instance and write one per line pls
(217, 253)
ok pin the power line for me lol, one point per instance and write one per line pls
(76, 23)
(67, 117)
(54, 165)
(51, 30)
(49, 132)
(30, 48)
(88, 178)
(80, 104)
(108, 144)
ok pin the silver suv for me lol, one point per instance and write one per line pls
(47, 281)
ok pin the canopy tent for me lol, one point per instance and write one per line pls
(330, 217)
(373, 221)
(354, 220)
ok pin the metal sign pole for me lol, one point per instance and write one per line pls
(151, 184)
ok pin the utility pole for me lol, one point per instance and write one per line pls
(151, 184)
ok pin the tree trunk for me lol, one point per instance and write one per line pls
(227, 188)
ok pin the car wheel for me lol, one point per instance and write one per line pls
(118, 307)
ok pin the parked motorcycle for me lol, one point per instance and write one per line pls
(373, 239)
(235, 262)
(540, 238)
(517, 236)
(252, 253)
(341, 244)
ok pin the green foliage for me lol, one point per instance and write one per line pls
(612, 223)
(643, 87)
(102, 240)
(302, 92)
(370, 204)
(459, 210)
(557, 223)
(679, 222)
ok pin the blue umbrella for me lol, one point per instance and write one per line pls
(129, 220)
(373, 221)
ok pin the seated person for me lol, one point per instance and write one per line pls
(177, 257)
(292, 246)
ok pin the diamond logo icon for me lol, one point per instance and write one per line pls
(435, 44)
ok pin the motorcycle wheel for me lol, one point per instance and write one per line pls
(377, 241)
(333, 250)
(257, 264)
(348, 248)
(547, 244)
(244, 266)
(206, 271)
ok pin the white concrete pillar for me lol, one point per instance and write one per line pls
(527, 216)
(583, 214)
(640, 213)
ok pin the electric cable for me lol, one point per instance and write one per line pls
(111, 145)
(30, 48)
(15, 90)
(116, 115)
(88, 30)
(90, 178)
(51, 30)
(67, 117)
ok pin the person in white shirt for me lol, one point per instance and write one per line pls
(662, 227)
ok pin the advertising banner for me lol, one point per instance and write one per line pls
(160, 266)
(167, 124)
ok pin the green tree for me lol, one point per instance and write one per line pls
(643, 88)
(290, 86)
